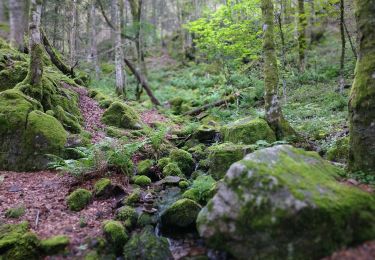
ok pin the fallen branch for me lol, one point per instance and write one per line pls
(55, 58)
(218, 103)
(143, 82)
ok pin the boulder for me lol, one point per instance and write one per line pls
(184, 161)
(222, 156)
(182, 213)
(285, 203)
(27, 134)
(147, 246)
(121, 115)
(248, 131)
(79, 199)
(115, 234)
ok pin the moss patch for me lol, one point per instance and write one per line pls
(182, 213)
(115, 234)
(142, 181)
(54, 245)
(184, 160)
(121, 115)
(79, 199)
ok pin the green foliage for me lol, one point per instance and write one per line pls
(202, 190)
(115, 234)
(54, 245)
(15, 212)
(127, 215)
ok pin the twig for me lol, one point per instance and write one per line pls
(37, 219)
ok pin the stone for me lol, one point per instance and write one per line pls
(182, 213)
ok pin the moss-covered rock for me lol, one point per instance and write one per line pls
(121, 115)
(172, 169)
(182, 213)
(115, 233)
(163, 162)
(144, 167)
(248, 131)
(79, 199)
(133, 198)
(202, 190)
(142, 180)
(283, 202)
(27, 134)
(207, 133)
(183, 184)
(12, 74)
(69, 121)
(184, 161)
(16, 242)
(221, 157)
(128, 215)
(147, 246)
(146, 219)
(54, 245)
(339, 152)
(15, 212)
(102, 187)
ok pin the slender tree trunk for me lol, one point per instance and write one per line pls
(362, 98)
(301, 34)
(93, 44)
(343, 45)
(119, 55)
(18, 21)
(350, 41)
(274, 115)
(73, 32)
(282, 37)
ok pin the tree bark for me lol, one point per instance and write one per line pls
(119, 55)
(301, 34)
(362, 98)
(274, 115)
(93, 42)
(343, 45)
(18, 21)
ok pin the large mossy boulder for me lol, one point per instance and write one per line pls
(248, 131)
(222, 156)
(121, 115)
(115, 234)
(147, 246)
(184, 161)
(285, 203)
(183, 213)
(27, 135)
(17, 243)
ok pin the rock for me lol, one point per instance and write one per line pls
(207, 134)
(102, 188)
(147, 246)
(202, 190)
(184, 160)
(182, 213)
(285, 203)
(121, 115)
(27, 134)
(183, 184)
(144, 167)
(17, 243)
(163, 162)
(172, 169)
(54, 245)
(133, 198)
(142, 180)
(248, 131)
(221, 157)
(169, 180)
(127, 215)
(79, 199)
(115, 234)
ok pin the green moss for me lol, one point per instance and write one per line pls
(105, 103)
(128, 215)
(172, 169)
(121, 115)
(12, 74)
(163, 162)
(15, 212)
(54, 245)
(115, 234)
(202, 190)
(248, 131)
(182, 213)
(147, 246)
(183, 184)
(184, 160)
(142, 180)
(133, 197)
(145, 219)
(79, 199)
(17, 243)
(222, 156)
(144, 167)
(102, 187)
(339, 152)
(69, 121)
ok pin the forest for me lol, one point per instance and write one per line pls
(187, 129)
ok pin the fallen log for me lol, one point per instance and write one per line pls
(65, 69)
(218, 103)
(143, 82)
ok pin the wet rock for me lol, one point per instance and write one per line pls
(182, 213)
(283, 202)
(169, 180)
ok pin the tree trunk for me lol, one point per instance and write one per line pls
(93, 43)
(18, 14)
(362, 98)
(343, 44)
(73, 33)
(2, 12)
(119, 55)
(301, 34)
(274, 115)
